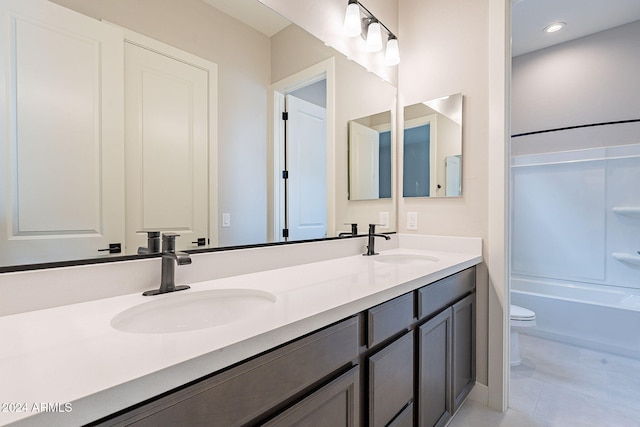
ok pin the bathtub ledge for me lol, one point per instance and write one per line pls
(627, 258)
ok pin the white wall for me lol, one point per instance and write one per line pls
(593, 79)
(243, 56)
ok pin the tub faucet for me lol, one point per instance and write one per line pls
(372, 235)
(169, 260)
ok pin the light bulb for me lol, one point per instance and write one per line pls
(352, 26)
(374, 37)
(392, 53)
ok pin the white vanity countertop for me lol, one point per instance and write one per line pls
(71, 355)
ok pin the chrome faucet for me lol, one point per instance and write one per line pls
(169, 260)
(372, 235)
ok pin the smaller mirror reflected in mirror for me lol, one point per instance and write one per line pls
(370, 157)
(432, 148)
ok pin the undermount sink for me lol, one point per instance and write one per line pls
(192, 310)
(413, 259)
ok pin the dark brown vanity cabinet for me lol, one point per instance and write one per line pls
(446, 347)
(434, 371)
(463, 365)
(409, 361)
(297, 376)
(334, 405)
(391, 381)
(390, 364)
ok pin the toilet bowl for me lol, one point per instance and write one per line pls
(520, 317)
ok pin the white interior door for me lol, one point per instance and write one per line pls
(306, 163)
(167, 131)
(453, 170)
(61, 140)
(364, 162)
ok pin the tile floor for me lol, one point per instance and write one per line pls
(560, 385)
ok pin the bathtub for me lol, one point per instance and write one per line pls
(593, 316)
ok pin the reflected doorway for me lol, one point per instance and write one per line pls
(300, 164)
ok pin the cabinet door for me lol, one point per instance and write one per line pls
(390, 380)
(404, 418)
(61, 138)
(434, 371)
(464, 360)
(334, 405)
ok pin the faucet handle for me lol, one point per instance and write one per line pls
(149, 233)
(169, 242)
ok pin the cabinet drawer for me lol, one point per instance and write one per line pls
(242, 393)
(389, 318)
(436, 296)
(334, 405)
(390, 380)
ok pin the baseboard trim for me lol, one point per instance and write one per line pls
(480, 394)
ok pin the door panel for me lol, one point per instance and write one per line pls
(364, 163)
(464, 349)
(434, 371)
(306, 162)
(64, 179)
(166, 146)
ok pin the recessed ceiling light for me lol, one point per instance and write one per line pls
(556, 26)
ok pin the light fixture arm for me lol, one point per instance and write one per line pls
(370, 17)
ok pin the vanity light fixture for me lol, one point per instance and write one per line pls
(374, 37)
(355, 24)
(556, 26)
(352, 26)
(392, 53)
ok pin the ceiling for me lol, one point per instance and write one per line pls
(583, 17)
(253, 13)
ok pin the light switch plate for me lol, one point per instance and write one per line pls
(412, 220)
(384, 220)
(226, 220)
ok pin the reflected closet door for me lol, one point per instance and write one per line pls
(167, 143)
(61, 144)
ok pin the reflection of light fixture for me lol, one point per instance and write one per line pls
(374, 37)
(354, 24)
(556, 26)
(392, 53)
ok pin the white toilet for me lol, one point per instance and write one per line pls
(520, 318)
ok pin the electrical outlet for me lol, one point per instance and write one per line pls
(412, 220)
(226, 220)
(384, 220)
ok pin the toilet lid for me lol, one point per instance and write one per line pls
(521, 313)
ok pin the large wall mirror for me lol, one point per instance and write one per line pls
(432, 148)
(370, 157)
(79, 168)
